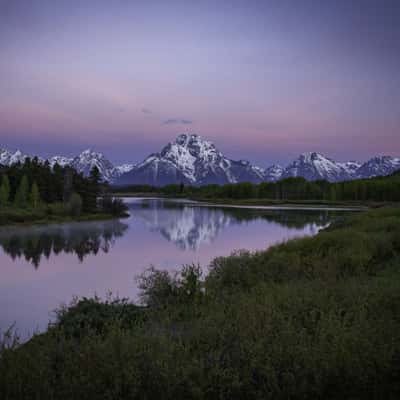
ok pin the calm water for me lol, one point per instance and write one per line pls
(44, 266)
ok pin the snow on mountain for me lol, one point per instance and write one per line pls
(192, 160)
(273, 173)
(351, 168)
(123, 169)
(60, 160)
(8, 158)
(314, 166)
(378, 166)
(89, 159)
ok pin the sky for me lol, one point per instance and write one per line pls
(264, 80)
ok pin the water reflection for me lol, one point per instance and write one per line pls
(189, 226)
(161, 233)
(80, 238)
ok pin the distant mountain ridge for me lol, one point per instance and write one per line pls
(192, 160)
(84, 162)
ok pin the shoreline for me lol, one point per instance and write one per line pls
(259, 203)
(63, 219)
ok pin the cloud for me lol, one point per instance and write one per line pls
(172, 121)
(146, 111)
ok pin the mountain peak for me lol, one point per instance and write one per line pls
(185, 138)
(192, 140)
(312, 156)
(91, 153)
(192, 160)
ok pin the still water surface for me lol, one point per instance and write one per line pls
(44, 266)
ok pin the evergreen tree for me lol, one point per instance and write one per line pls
(4, 191)
(21, 197)
(68, 186)
(35, 195)
(74, 205)
(93, 190)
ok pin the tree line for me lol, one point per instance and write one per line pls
(34, 184)
(373, 189)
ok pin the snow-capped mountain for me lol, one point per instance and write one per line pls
(84, 163)
(378, 166)
(314, 166)
(89, 159)
(351, 167)
(123, 169)
(9, 158)
(60, 160)
(192, 160)
(273, 173)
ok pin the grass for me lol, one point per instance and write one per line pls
(317, 317)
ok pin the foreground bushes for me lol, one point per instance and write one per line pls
(312, 318)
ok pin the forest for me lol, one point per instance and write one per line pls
(35, 191)
(379, 189)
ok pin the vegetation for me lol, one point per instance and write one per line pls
(380, 189)
(316, 317)
(33, 191)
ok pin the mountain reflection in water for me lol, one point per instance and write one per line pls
(189, 226)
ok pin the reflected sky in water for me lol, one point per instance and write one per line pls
(44, 266)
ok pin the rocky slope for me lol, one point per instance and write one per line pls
(191, 160)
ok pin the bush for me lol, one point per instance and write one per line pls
(113, 206)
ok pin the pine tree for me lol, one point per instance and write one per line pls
(21, 197)
(4, 191)
(68, 185)
(93, 190)
(35, 195)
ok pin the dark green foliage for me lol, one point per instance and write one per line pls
(35, 195)
(380, 189)
(74, 205)
(160, 290)
(43, 192)
(4, 191)
(21, 196)
(112, 205)
(92, 190)
(93, 317)
(312, 318)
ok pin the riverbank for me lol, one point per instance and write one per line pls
(44, 215)
(315, 317)
(304, 204)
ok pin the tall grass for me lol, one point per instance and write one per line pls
(313, 318)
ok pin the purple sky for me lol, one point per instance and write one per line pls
(265, 80)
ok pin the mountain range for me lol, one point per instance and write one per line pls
(192, 160)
